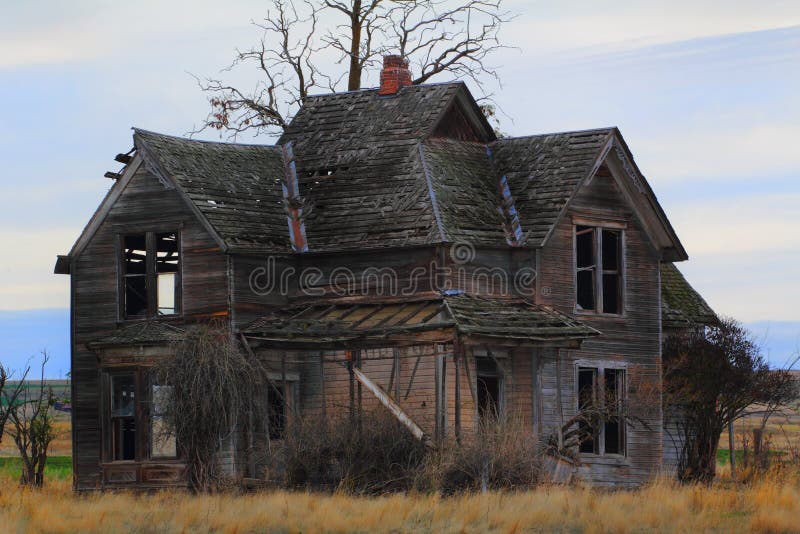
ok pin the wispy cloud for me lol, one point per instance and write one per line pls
(702, 151)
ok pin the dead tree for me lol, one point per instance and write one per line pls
(438, 37)
(713, 375)
(9, 393)
(32, 427)
(211, 384)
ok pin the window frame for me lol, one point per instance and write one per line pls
(151, 274)
(597, 268)
(600, 369)
(151, 415)
(498, 375)
(111, 418)
(142, 387)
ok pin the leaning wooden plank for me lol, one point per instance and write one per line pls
(393, 407)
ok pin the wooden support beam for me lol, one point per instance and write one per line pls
(440, 374)
(352, 385)
(471, 383)
(396, 354)
(358, 384)
(413, 374)
(322, 386)
(457, 357)
(392, 406)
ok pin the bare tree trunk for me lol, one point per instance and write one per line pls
(354, 77)
(732, 447)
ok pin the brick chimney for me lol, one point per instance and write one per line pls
(395, 74)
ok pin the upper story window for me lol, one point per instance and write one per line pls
(150, 269)
(598, 265)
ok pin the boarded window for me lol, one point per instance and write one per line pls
(151, 274)
(489, 382)
(598, 266)
(123, 417)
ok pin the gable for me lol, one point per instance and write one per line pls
(545, 173)
(235, 189)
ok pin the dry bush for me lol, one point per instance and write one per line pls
(377, 455)
(212, 386)
(502, 455)
(372, 454)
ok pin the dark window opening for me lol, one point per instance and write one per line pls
(123, 417)
(135, 272)
(587, 405)
(276, 411)
(489, 381)
(602, 427)
(614, 428)
(151, 274)
(598, 265)
(611, 240)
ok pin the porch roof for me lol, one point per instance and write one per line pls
(435, 318)
(140, 333)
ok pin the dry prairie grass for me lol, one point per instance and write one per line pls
(771, 505)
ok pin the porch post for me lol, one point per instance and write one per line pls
(457, 352)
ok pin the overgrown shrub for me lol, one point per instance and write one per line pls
(372, 454)
(377, 454)
(501, 455)
(212, 385)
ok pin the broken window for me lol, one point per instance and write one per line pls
(151, 274)
(167, 265)
(489, 382)
(162, 435)
(123, 417)
(598, 265)
(135, 257)
(601, 392)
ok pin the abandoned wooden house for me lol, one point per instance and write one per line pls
(391, 251)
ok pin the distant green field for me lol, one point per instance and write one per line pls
(58, 467)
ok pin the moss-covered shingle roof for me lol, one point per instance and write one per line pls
(681, 305)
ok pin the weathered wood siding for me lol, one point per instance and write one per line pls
(632, 340)
(263, 281)
(145, 205)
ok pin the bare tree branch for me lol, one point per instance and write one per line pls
(438, 37)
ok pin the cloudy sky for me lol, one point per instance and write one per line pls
(707, 95)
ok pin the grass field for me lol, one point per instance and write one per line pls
(771, 505)
(57, 467)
